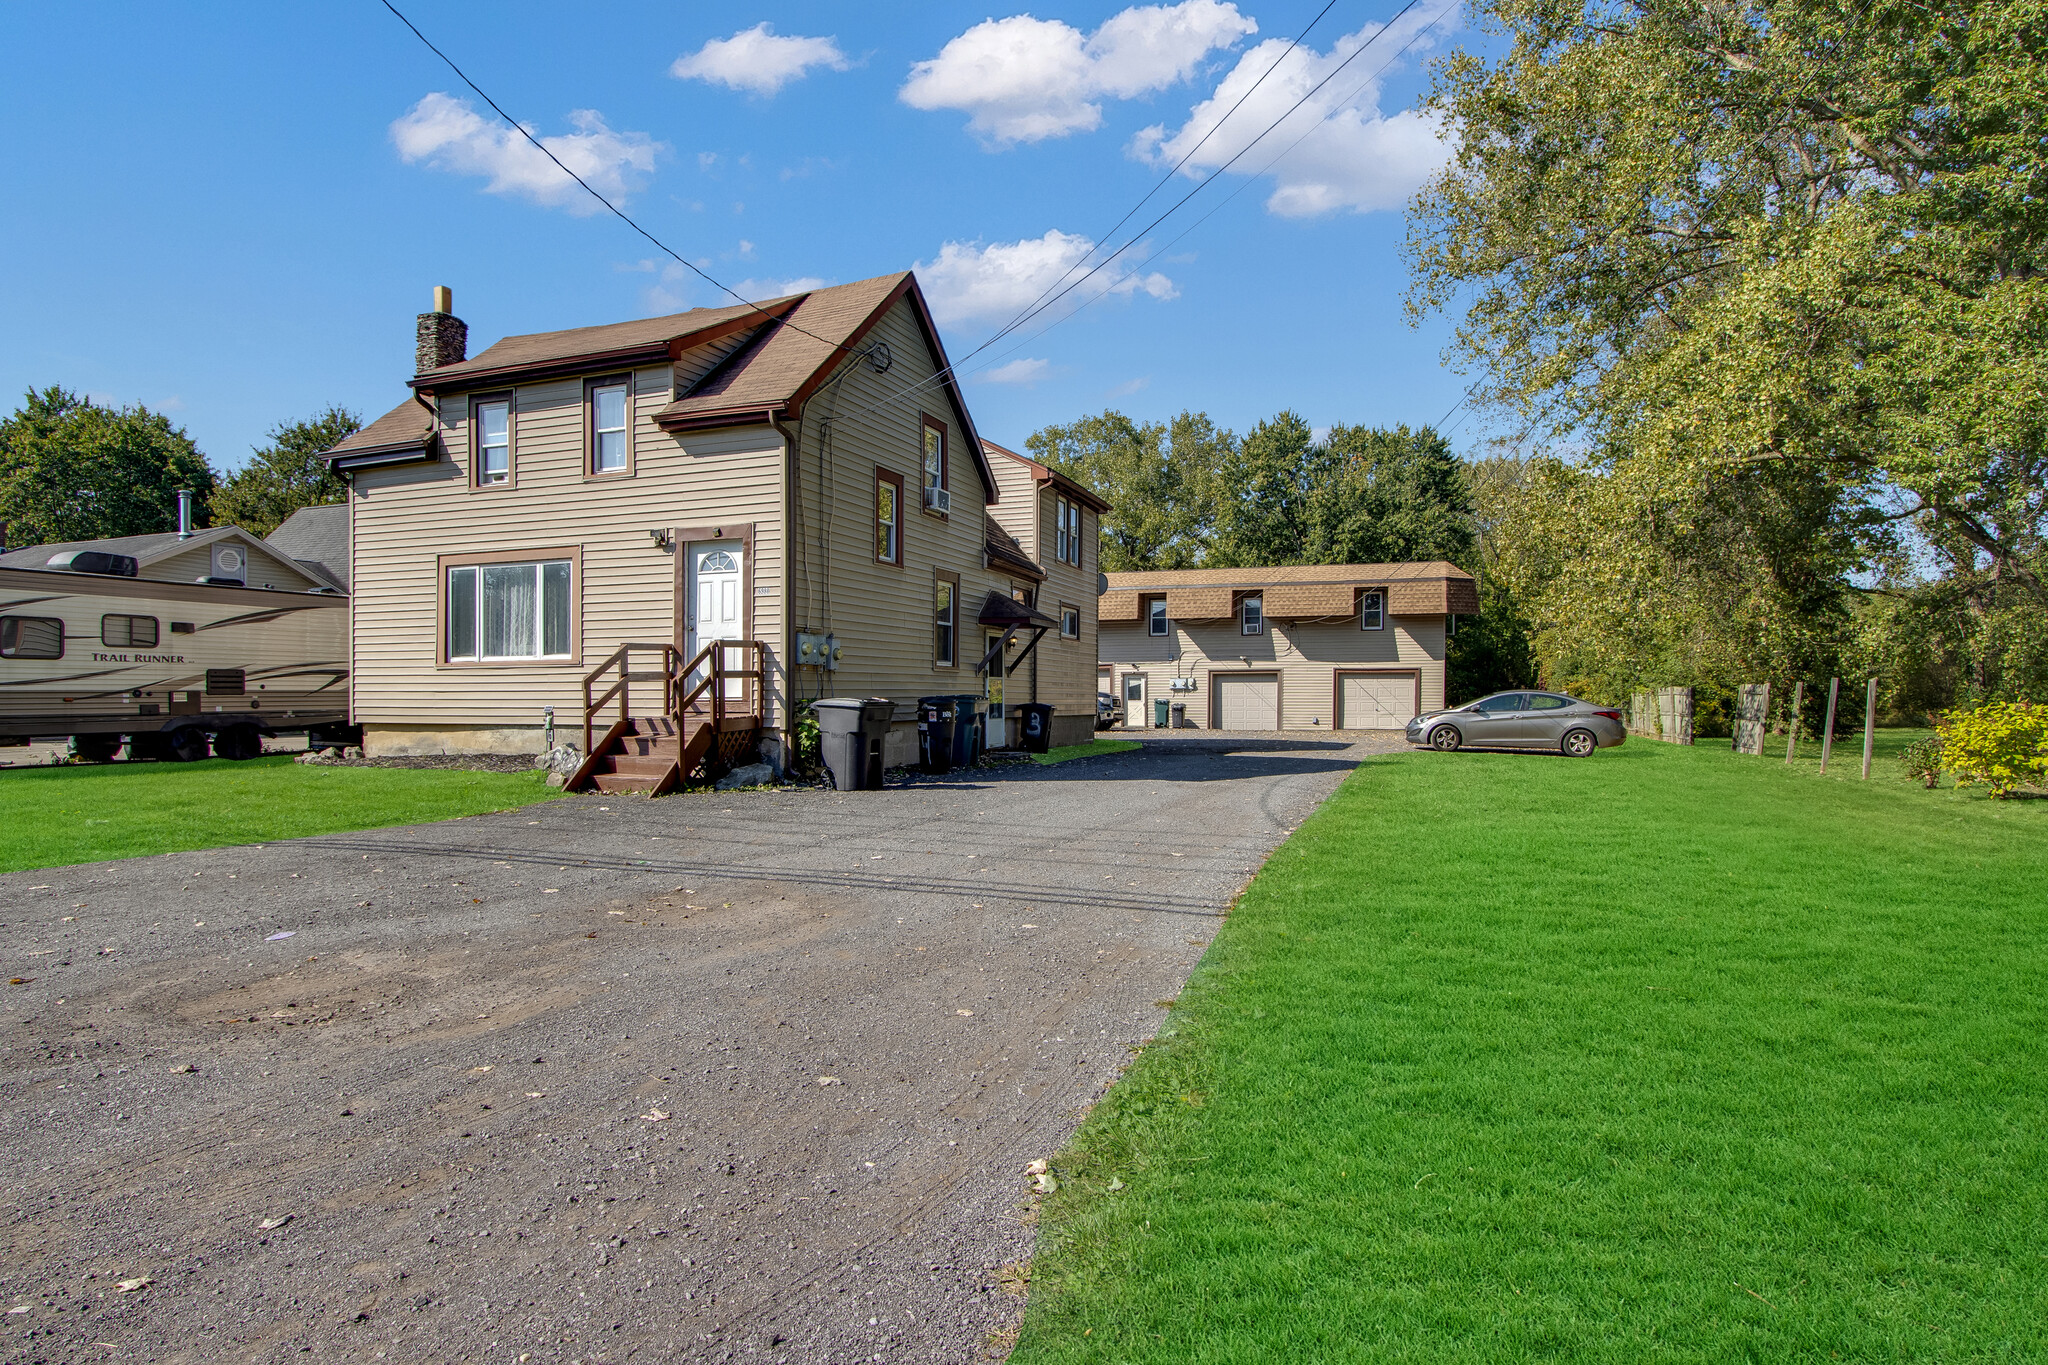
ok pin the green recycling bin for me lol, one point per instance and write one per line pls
(1159, 714)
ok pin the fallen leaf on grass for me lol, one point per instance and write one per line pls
(130, 1286)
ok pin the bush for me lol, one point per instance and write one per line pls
(807, 756)
(2002, 744)
(1922, 760)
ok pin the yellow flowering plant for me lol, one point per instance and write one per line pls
(2001, 744)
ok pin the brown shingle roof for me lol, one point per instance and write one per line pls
(410, 425)
(1364, 575)
(775, 369)
(643, 339)
(1003, 550)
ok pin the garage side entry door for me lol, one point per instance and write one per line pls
(1376, 701)
(1248, 702)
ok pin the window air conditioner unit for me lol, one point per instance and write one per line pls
(937, 500)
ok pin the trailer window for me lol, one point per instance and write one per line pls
(31, 637)
(128, 632)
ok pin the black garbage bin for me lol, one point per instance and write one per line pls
(1180, 715)
(969, 738)
(1037, 726)
(935, 726)
(850, 734)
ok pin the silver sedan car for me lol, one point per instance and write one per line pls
(1521, 720)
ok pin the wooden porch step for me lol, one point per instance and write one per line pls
(626, 782)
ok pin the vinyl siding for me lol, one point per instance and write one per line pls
(882, 613)
(1066, 674)
(265, 568)
(1306, 656)
(404, 518)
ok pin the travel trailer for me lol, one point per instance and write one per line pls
(115, 641)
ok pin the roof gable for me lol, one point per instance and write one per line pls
(1046, 474)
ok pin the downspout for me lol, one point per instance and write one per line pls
(792, 489)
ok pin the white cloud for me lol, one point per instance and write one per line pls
(970, 280)
(1022, 79)
(1023, 370)
(1130, 386)
(1359, 159)
(449, 135)
(758, 60)
(681, 289)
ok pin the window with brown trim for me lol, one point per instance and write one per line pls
(1067, 531)
(946, 620)
(1372, 610)
(1252, 614)
(511, 607)
(1155, 616)
(491, 432)
(1070, 622)
(608, 425)
(888, 517)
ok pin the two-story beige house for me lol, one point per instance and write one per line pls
(1306, 647)
(1057, 524)
(801, 475)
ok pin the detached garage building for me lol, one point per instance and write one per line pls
(1325, 646)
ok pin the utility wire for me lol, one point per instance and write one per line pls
(620, 213)
(1214, 128)
(953, 367)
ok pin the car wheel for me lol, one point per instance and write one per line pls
(1579, 743)
(238, 742)
(1445, 739)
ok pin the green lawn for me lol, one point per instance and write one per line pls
(1062, 752)
(55, 816)
(1667, 1054)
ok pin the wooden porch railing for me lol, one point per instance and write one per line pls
(621, 659)
(673, 674)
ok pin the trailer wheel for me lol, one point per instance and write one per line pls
(186, 746)
(96, 748)
(238, 742)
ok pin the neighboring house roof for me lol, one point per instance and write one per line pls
(799, 341)
(1079, 492)
(1004, 551)
(316, 538)
(407, 432)
(1364, 575)
(144, 549)
(1428, 588)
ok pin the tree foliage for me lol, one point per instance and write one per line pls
(72, 469)
(1775, 271)
(285, 475)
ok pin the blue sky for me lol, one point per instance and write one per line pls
(233, 213)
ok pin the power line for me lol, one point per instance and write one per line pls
(1214, 128)
(616, 210)
(954, 367)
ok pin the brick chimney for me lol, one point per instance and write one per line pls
(443, 337)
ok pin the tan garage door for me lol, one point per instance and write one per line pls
(1248, 703)
(1377, 701)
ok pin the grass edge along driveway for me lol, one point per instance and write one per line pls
(56, 816)
(1666, 1054)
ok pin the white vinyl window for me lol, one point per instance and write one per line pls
(494, 442)
(1059, 518)
(509, 611)
(1372, 610)
(608, 429)
(1155, 616)
(1070, 622)
(1073, 555)
(1253, 615)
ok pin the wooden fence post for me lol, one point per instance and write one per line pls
(1869, 724)
(1827, 738)
(1792, 730)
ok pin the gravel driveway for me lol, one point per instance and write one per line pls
(747, 1075)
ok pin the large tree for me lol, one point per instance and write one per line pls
(1775, 272)
(1154, 475)
(285, 475)
(72, 469)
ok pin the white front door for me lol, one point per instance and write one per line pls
(715, 607)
